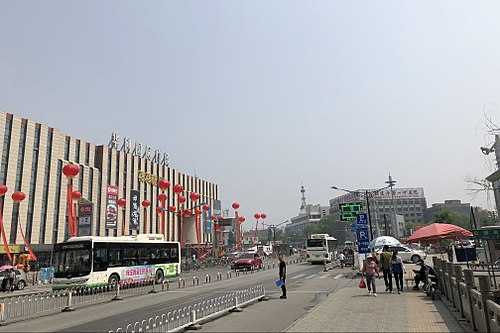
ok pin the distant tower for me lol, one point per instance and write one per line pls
(303, 200)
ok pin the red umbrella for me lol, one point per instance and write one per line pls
(436, 231)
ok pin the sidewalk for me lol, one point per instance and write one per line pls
(351, 309)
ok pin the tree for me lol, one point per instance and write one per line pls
(446, 216)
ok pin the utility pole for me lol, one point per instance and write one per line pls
(394, 223)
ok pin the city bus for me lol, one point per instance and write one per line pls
(91, 261)
(317, 245)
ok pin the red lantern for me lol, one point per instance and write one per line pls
(263, 216)
(159, 210)
(122, 202)
(197, 212)
(236, 206)
(194, 196)
(212, 217)
(220, 217)
(257, 216)
(146, 203)
(178, 189)
(241, 219)
(182, 199)
(76, 195)
(172, 209)
(187, 212)
(18, 196)
(3, 189)
(206, 207)
(162, 197)
(71, 170)
(163, 184)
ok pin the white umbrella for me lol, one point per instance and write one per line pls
(384, 240)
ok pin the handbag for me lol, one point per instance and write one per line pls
(362, 283)
(280, 283)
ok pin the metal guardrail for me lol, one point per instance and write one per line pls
(188, 316)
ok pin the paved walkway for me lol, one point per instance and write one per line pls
(351, 309)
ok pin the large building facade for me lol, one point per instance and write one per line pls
(32, 159)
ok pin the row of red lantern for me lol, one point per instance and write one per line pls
(17, 196)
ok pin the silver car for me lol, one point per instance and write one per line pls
(20, 281)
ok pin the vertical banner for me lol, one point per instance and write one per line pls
(208, 222)
(135, 210)
(111, 207)
(85, 213)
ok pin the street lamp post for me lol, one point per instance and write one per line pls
(394, 222)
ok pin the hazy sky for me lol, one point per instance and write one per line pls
(261, 96)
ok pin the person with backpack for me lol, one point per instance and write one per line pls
(398, 269)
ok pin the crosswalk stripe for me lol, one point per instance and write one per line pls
(297, 276)
(310, 276)
(338, 276)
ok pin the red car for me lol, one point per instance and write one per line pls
(248, 261)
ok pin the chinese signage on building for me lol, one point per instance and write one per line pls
(111, 207)
(134, 210)
(85, 213)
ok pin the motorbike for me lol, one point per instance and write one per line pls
(431, 285)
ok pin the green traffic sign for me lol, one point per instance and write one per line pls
(348, 211)
(486, 234)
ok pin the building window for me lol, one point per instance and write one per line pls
(57, 203)
(46, 180)
(108, 175)
(34, 171)
(6, 150)
(19, 181)
(66, 148)
(77, 151)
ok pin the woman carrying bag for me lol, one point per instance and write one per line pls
(371, 269)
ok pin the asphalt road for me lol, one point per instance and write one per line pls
(112, 315)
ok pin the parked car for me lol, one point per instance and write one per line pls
(407, 254)
(20, 281)
(248, 261)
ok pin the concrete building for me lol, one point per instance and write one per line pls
(451, 205)
(312, 214)
(384, 206)
(32, 158)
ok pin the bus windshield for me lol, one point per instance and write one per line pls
(315, 242)
(72, 259)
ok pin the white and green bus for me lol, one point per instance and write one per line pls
(321, 247)
(91, 261)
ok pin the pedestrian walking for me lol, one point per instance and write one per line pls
(342, 260)
(282, 273)
(370, 269)
(12, 277)
(385, 265)
(5, 279)
(398, 270)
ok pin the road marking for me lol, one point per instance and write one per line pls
(310, 276)
(297, 276)
(324, 277)
(337, 277)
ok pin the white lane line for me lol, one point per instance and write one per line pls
(297, 276)
(310, 276)
(337, 276)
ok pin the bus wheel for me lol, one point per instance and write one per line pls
(159, 276)
(113, 280)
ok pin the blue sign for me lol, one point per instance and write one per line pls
(354, 227)
(362, 218)
(363, 239)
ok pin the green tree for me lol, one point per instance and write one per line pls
(458, 219)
